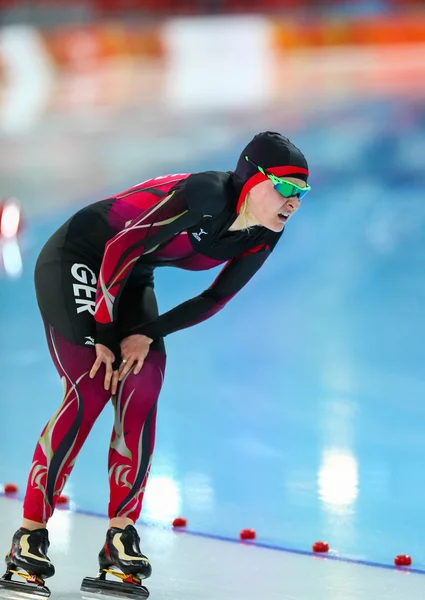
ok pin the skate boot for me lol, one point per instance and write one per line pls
(27, 558)
(121, 557)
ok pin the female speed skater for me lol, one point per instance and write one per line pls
(94, 280)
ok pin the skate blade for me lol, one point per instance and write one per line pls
(93, 587)
(19, 590)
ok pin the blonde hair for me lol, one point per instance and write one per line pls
(244, 213)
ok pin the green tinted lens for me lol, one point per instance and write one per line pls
(288, 189)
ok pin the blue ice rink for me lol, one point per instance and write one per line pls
(299, 410)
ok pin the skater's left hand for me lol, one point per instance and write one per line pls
(134, 350)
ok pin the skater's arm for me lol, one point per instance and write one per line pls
(231, 279)
(182, 208)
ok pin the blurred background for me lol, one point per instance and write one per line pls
(298, 410)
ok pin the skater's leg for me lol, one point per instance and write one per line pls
(130, 453)
(130, 457)
(133, 439)
(65, 433)
(56, 451)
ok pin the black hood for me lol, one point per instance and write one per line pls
(269, 150)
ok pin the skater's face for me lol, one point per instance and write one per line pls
(266, 207)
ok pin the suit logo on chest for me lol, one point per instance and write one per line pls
(198, 235)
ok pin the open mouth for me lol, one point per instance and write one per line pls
(283, 216)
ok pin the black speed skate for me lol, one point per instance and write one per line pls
(27, 559)
(120, 557)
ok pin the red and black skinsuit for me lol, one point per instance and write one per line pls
(95, 284)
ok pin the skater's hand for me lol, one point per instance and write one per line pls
(103, 356)
(134, 350)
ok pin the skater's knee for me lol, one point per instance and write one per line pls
(148, 382)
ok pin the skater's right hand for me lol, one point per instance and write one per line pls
(103, 356)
